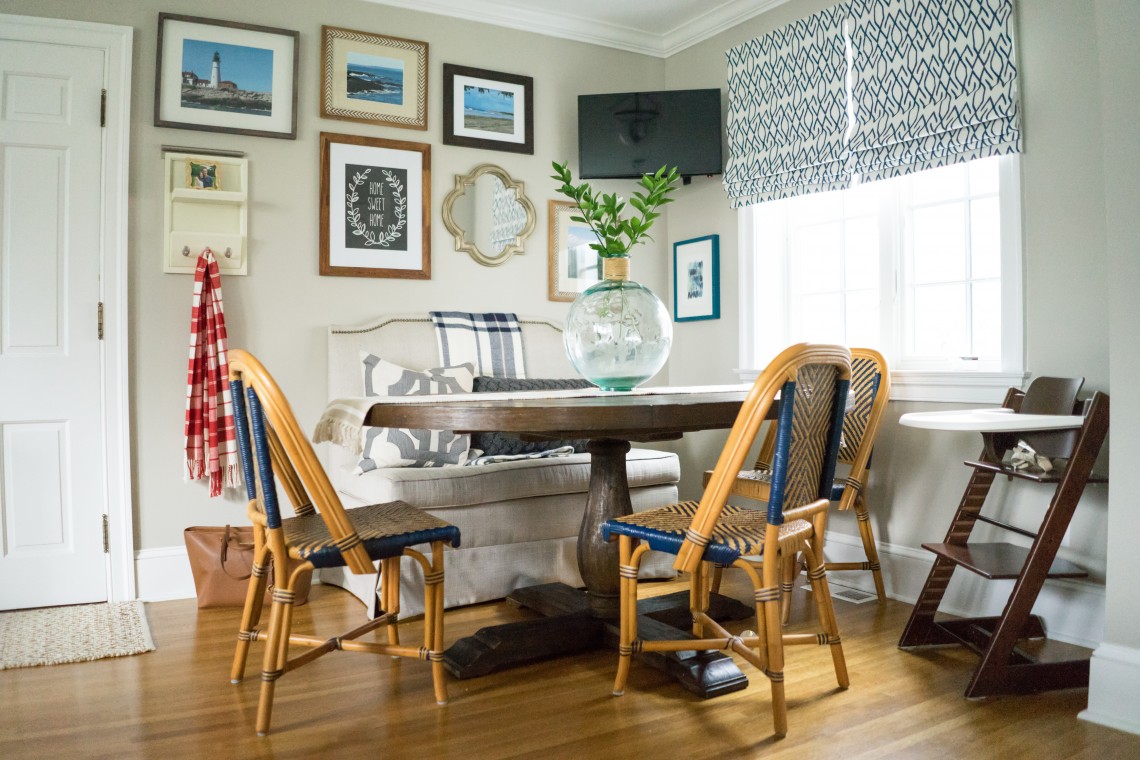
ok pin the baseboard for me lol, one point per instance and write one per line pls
(1073, 610)
(163, 574)
(1114, 688)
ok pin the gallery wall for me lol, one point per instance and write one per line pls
(281, 309)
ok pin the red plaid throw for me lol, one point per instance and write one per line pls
(211, 448)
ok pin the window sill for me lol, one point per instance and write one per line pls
(942, 387)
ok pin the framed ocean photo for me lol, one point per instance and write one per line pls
(373, 78)
(488, 109)
(222, 76)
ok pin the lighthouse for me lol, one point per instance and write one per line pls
(216, 71)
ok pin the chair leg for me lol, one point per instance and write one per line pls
(276, 653)
(627, 584)
(768, 609)
(390, 596)
(715, 578)
(869, 548)
(789, 573)
(818, 577)
(433, 621)
(250, 615)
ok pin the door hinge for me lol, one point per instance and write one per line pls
(100, 320)
(103, 109)
(106, 535)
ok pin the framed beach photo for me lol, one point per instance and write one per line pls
(222, 76)
(488, 109)
(373, 78)
(375, 207)
(202, 174)
(696, 279)
(573, 264)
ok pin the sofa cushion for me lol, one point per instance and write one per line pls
(499, 444)
(503, 481)
(400, 447)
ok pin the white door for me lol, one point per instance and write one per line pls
(52, 459)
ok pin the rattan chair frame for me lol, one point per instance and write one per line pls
(289, 458)
(765, 650)
(855, 485)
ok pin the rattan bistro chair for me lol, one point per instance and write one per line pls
(323, 534)
(870, 390)
(812, 381)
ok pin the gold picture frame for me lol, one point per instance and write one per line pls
(373, 78)
(202, 174)
(572, 265)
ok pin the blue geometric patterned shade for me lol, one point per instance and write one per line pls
(787, 111)
(932, 82)
(935, 83)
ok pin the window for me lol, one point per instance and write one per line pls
(926, 268)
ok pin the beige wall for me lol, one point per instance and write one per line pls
(281, 309)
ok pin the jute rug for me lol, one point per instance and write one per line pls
(55, 635)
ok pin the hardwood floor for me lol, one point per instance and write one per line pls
(177, 702)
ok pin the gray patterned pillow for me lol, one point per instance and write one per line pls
(498, 444)
(400, 447)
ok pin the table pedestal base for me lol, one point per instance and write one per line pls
(568, 627)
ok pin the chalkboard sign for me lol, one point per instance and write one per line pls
(376, 207)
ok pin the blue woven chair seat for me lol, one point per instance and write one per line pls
(738, 533)
(385, 529)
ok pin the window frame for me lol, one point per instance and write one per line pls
(937, 385)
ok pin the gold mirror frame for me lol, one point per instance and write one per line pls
(462, 241)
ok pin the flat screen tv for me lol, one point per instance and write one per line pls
(626, 134)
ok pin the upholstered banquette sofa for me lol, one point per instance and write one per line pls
(519, 520)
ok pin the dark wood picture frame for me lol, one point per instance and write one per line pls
(410, 113)
(171, 73)
(341, 207)
(456, 131)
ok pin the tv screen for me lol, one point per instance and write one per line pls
(627, 134)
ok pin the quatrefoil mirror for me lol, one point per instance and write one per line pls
(488, 214)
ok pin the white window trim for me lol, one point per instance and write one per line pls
(908, 385)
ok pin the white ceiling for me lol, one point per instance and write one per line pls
(652, 27)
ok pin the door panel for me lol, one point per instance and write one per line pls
(53, 489)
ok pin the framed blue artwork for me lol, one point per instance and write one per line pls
(696, 279)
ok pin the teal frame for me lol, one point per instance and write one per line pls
(713, 276)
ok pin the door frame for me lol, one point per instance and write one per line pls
(115, 43)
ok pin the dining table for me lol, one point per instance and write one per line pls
(575, 620)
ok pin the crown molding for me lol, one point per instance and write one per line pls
(590, 31)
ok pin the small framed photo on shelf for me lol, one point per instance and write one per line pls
(573, 264)
(373, 78)
(222, 76)
(696, 279)
(375, 207)
(202, 174)
(488, 109)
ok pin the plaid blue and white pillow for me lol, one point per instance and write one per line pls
(401, 447)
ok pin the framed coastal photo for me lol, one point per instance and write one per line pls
(373, 78)
(375, 207)
(696, 279)
(488, 109)
(222, 76)
(573, 264)
(202, 174)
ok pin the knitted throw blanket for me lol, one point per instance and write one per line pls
(211, 446)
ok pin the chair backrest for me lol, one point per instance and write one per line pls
(812, 381)
(1051, 395)
(271, 442)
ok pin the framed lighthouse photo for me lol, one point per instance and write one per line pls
(222, 76)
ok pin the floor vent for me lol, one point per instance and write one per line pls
(846, 593)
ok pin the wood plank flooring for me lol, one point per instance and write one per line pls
(177, 702)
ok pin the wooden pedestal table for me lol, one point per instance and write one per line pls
(1008, 663)
(575, 620)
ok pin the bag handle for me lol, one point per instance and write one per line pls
(225, 552)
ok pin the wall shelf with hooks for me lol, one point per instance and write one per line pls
(206, 206)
